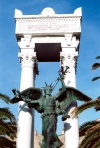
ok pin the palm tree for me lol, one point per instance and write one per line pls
(90, 130)
(97, 107)
(94, 103)
(94, 67)
(7, 125)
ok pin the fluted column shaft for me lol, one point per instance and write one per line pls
(25, 119)
(68, 58)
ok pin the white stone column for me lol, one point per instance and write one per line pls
(68, 57)
(25, 125)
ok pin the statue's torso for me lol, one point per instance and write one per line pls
(49, 106)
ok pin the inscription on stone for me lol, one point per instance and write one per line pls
(37, 27)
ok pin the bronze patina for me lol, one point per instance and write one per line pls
(50, 107)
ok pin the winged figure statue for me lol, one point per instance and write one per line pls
(50, 107)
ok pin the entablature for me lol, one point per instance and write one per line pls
(48, 23)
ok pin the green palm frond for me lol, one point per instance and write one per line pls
(94, 140)
(5, 98)
(96, 78)
(93, 128)
(95, 66)
(8, 126)
(84, 127)
(97, 108)
(6, 143)
(5, 112)
(6, 129)
(13, 126)
(96, 144)
(98, 57)
(83, 107)
(89, 137)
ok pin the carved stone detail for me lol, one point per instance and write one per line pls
(68, 59)
(27, 39)
(36, 19)
(48, 11)
(29, 60)
(68, 38)
(71, 41)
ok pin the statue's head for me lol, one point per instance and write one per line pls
(48, 89)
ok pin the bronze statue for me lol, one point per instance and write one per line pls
(50, 107)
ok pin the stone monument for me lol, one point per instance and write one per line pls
(37, 34)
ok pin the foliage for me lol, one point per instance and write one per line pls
(90, 133)
(7, 125)
(94, 103)
(94, 67)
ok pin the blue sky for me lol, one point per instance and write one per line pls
(10, 69)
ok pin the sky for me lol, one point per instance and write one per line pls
(10, 69)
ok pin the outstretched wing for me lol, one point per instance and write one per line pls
(75, 94)
(66, 98)
(32, 93)
(27, 94)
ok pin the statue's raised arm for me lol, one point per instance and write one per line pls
(62, 91)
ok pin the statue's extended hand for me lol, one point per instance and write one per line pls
(61, 76)
(17, 96)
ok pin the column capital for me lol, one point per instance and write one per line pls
(29, 60)
(68, 59)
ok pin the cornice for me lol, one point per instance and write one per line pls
(45, 18)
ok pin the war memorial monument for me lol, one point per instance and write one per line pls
(48, 37)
